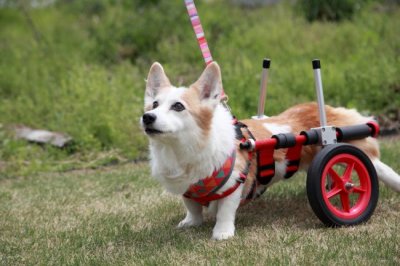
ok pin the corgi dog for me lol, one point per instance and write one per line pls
(191, 136)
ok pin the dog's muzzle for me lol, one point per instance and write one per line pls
(148, 120)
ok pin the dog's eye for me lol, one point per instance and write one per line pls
(177, 107)
(155, 105)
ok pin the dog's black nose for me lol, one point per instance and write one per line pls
(149, 118)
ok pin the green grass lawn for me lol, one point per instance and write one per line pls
(119, 215)
(79, 67)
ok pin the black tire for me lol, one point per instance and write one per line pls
(365, 195)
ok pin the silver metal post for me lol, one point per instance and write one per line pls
(327, 133)
(263, 90)
(320, 93)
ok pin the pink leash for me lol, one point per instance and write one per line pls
(198, 30)
(201, 39)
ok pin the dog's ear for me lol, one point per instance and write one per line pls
(156, 80)
(209, 84)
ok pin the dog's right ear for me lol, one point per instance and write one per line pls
(156, 80)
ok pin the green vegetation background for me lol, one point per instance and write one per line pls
(80, 66)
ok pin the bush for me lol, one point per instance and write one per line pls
(328, 10)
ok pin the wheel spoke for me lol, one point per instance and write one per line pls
(344, 198)
(348, 171)
(333, 192)
(359, 190)
(335, 177)
(329, 181)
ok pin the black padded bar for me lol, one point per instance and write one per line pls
(354, 132)
(311, 135)
(266, 63)
(285, 140)
(316, 64)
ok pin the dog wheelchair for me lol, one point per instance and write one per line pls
(342, 184)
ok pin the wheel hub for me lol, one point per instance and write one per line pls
(348, 186)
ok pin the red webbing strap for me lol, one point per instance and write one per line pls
(293, 159)
(205, 200)
(265, 164)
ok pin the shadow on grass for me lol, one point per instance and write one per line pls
(284, 212)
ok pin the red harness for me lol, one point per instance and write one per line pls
(205, 190)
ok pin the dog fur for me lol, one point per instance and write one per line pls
(189, 144)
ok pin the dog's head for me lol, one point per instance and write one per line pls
(180, 113)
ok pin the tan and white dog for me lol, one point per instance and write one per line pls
(191, 135)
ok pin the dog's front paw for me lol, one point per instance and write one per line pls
(223, 233)
(189, 222)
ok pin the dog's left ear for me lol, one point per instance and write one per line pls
(209, 84)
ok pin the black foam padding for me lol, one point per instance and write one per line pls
(266, 63)
(316, 64)
(311, 135)
(285, 140)
(354, 132)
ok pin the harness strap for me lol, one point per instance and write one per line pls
(205, 200)
(251, 194)
(238, 128)
(266, 165)
(205, 189)
(293, 156)
(198, 193)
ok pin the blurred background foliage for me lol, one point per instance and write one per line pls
(78, 66)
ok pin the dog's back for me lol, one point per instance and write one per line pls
(304, 117)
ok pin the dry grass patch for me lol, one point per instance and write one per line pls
(121, 216)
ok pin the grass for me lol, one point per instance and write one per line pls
(79, 67)
(84, 74)
(119, 215)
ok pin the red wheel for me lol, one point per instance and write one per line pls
(342, 185)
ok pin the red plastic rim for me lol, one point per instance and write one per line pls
(348, 194)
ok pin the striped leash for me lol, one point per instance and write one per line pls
(201, 40)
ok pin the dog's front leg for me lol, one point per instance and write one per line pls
(225, 226)
(194, 214)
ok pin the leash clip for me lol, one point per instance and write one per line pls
(224, 102)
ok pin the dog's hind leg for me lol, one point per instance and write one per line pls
(387, 175)
(225, 225)
(194, 214)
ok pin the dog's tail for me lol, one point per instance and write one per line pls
(387, 175)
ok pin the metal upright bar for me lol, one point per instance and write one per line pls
(320, 93)
(327, 133)
(263, 89)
